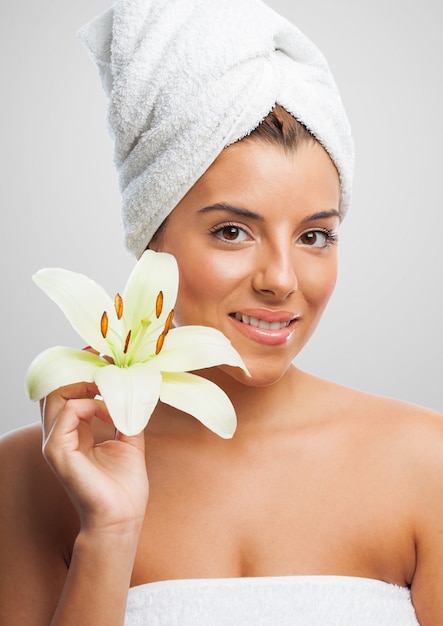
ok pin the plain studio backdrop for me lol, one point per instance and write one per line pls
(60, 201)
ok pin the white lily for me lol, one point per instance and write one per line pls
(141, 357)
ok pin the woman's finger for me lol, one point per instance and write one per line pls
(54, 403)
(71, 429)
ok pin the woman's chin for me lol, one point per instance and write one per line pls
(260, 374)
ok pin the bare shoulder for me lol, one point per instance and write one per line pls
(400, 445)
(413, 447)
(21, 444)
(414, 435)
(37, 523)
(29, 491)
(417, 430)
(23, 469)
(381, 414)
(407, 436)
(21, 463)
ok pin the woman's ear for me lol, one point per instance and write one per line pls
(156, 242)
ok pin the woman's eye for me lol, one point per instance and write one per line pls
(317, 239)
(230, 232)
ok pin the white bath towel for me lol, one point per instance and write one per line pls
(271, 601)
(185, 78)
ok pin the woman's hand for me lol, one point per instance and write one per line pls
(107, 482)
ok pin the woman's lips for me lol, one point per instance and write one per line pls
(267, 327)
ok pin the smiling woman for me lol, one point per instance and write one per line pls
(259, 251)
(324, 507)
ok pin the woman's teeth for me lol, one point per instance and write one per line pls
(254, 321)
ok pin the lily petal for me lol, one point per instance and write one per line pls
(154, 272)
(196, 347)
(130, 394)
(81, 299)
(60, 366)
(201, 398)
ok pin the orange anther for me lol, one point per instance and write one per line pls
(160, 342)
(168, 323)
(104, 324)
(159, 304)
(128, 338)
(118, 305)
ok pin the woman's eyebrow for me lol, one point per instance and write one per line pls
(322, 215)
(234, 210)
(228, 208)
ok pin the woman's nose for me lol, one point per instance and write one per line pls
(275, 274)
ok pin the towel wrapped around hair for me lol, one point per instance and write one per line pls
(186, 78)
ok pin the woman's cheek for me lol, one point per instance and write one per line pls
(321, 284)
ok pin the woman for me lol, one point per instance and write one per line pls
(325, 507)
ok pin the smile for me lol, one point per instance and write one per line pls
(259, 323)
(275, 330)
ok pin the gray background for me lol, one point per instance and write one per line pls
(60, 203)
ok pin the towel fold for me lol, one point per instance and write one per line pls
(186, 78)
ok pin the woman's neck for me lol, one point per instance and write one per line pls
(257, 407)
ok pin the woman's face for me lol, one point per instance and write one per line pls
(255, 244)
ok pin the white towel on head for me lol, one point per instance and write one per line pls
(185, 78)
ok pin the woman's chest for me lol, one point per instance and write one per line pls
(278, 517)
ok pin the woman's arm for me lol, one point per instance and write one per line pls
(426, 476)
(96, 586)
(107, 486)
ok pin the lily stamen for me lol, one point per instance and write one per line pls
(128, 338)
(159, 305)
(168, 324)
(160, 342)
(118, 305)
(104, 324)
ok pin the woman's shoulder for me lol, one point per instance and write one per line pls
(20, 455)
(416, 423)
(400, 443)
(365, 405)
(414, 433)
(26, 436)
(29, 490)
(407, 427)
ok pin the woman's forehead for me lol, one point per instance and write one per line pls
(253, 174)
